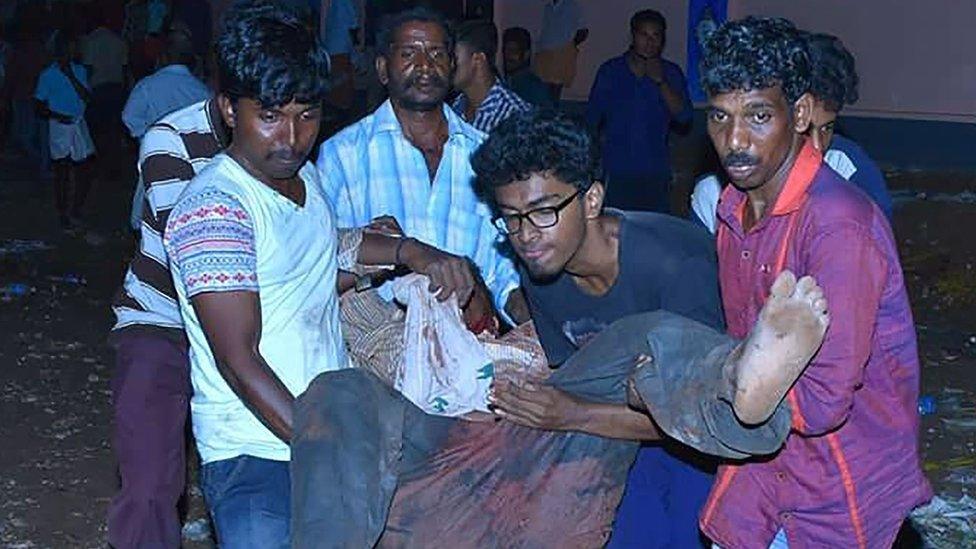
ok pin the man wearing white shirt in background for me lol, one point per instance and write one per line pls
(169, 89)
(254, 256)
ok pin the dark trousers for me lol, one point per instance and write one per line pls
(150, 397)
(104, 119)
(357, 441)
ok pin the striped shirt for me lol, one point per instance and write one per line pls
(370, 169)
(499, 104)
(172, 152)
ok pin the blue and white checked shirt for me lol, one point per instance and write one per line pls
(370, 169)
(499, 104)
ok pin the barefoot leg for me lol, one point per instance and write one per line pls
(790, 330)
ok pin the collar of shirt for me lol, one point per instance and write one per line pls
(498, 104)
(732, 203)
(494, 95)
(385, 121)
(175, 69)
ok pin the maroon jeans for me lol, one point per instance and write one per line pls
(150, 398)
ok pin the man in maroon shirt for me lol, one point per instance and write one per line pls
(849, 472)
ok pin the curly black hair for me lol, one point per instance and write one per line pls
(834, 78)
(536, 142)
(756, 53)
(268, 53)
(422, 14)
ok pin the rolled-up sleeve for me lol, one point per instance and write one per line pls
(851, 270)
(134, 114)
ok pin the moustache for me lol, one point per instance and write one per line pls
(739, 159)
(435, 80)
(286, 155)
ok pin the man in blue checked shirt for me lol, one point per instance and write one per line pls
(484, 100)
(409, 161)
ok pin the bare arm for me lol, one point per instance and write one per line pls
(345, 282)
(517, 307)
(674, 99)
(673, 95)
(232, 323)
(545, 407)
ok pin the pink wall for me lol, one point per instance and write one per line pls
(915, 59)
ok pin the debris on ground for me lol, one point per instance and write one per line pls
(902, 196)
(947, 523)
(9, 292)
(197, 530)
(68, 279)
(17, 246)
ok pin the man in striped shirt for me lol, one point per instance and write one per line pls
(151, 384)
(484, 101)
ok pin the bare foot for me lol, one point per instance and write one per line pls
(789, 332)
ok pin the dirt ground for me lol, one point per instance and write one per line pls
(57, 473)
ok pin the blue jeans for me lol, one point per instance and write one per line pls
(249, 499)
(661, 501)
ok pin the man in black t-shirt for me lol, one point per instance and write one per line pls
(585, 269)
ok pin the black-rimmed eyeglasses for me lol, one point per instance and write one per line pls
(540, 218)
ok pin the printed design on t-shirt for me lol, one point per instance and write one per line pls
(579, 332)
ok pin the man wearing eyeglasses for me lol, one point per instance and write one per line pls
(583, 269)
(409, 161)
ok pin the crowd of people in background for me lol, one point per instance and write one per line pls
(253, 143)
(76, 65)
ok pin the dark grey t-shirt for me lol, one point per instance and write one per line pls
(665, 263)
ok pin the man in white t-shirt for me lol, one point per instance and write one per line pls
(253, 254)
(62, 95)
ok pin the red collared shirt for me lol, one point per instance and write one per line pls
(849, 472)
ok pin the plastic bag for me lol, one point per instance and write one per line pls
(446, 371)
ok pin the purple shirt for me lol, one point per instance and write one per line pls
(849, 472)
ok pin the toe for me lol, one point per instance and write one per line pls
(813, 295)
(806, 286)
(784, 285)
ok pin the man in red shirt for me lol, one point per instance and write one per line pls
(849, 472)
